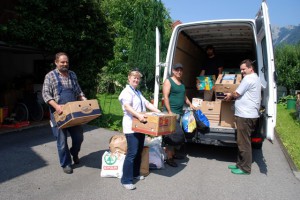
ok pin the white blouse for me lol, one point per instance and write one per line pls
(136, 100)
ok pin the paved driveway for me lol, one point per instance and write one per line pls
(29, 170)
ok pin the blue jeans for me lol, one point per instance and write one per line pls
(61, 135)
(132, 163)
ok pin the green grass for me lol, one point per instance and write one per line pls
(288, 129)
(112, 113)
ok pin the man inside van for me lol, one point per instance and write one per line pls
(213, 66)
(247, 103)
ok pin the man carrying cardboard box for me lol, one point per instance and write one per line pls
(60, 87)
(247, 104)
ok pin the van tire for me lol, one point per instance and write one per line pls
(257, 145)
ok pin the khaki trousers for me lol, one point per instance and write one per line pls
(245, 127)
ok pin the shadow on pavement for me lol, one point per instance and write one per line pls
(16, 150)
(258, 157)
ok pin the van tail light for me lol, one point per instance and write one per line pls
(256, 140)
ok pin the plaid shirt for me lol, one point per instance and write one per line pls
(50, 86)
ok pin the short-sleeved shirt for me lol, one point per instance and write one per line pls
(136, 100)
(211, 66)
(247, 105)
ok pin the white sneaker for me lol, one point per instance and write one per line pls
(139, 177)
(129, 186)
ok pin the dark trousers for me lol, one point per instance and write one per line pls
(133, 159)
(245, 127)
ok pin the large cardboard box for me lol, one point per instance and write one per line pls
(77, 113)
(157, 124)
(205, 82)
(212, 110)
(210, 107)
(227, 83)
(227, 114)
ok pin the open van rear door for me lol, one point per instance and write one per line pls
(265, 60)
(157, 69)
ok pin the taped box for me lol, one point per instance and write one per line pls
(227, 83)
(212, 110)
(210, 107)
(77, 113)
(157, 124)
(227, 114)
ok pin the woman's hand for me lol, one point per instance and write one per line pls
(142, 118)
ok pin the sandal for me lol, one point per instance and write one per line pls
(179, 157)
(171, 162)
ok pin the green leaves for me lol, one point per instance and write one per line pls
(288, 66)
(134, 22)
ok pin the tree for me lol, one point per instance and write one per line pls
(77, 27)
(288, 66)
(148, 15)
(134, 22)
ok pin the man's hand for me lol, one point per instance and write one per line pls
(193, 107)
(228, 96)
(59, 109)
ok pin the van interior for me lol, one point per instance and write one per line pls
(233, 42)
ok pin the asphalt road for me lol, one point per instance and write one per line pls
(29, 169)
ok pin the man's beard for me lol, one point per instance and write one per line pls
(63, 69)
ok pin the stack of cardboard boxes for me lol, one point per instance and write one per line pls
(220, 112)
(211, 109)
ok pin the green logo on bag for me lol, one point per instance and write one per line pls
(110, 159)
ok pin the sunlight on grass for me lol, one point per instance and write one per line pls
(288, 129)
(112, 113)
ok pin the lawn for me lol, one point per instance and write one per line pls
(288, 129)
(112, 113)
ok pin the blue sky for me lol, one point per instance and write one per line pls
(282, 12)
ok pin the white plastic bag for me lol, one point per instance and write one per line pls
(156, 157)
(112, 164)
(150, 141)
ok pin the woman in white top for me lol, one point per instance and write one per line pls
(133, 102)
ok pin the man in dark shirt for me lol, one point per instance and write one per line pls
(213, 66)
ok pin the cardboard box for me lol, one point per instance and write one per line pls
(227, 83)
(212, 110)
(210, 107)
(227, 114)
(77, 113)
(197, 102)
(157, 124)
(205, 82)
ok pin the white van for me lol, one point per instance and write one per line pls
(234, 41)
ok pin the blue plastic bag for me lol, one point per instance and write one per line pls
(201, 120)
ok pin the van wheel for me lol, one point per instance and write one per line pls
(257, 145)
